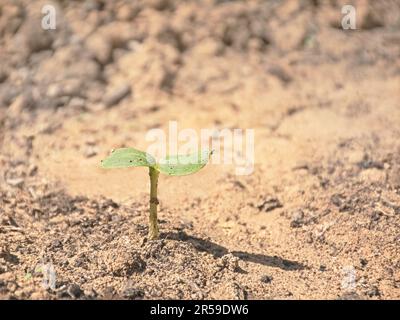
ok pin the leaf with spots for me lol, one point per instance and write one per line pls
(128, 157)
(181, 165)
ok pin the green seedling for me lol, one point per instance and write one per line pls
(177, 165)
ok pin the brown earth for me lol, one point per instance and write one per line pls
(319, 218)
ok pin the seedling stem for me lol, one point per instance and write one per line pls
(153, 224)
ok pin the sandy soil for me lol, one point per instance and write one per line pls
(318, 219)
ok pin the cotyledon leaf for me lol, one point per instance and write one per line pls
(181, 165)
(128, 157)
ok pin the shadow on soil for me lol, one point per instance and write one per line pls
(218, 251)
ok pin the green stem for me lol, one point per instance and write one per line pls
(153, 224)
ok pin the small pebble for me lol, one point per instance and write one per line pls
(74, 291)
(117, 95)
(266, 279)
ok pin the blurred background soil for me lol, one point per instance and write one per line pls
(319, 218)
